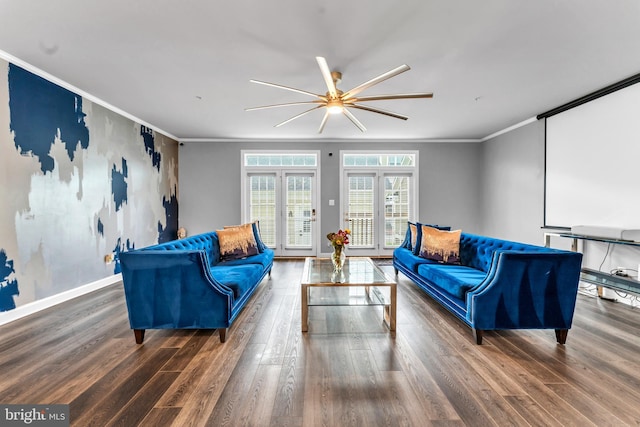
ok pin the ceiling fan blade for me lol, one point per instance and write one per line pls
(292, 89)
(377, 110)
(298, 116)
(354, 120)
(324, 121)
(263, 107)
(388, 97)
(356, 90)
(326, 74)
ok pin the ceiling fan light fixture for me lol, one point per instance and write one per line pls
(335, 107)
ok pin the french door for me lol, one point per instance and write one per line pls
(376, 203)
(284, 202)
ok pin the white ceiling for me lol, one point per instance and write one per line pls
(184, 66)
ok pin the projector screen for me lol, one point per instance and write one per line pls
(593, 163)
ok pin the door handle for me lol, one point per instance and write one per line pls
(313, 214)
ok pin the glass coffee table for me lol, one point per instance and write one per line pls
(360, 282)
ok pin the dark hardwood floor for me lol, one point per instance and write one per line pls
(346, 371)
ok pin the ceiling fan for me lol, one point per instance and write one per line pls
(336, 101)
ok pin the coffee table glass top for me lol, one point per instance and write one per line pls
(356, 271)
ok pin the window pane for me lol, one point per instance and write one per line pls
(263, 206)
(396, 209)
(257, 159)
(375, 160)
(298, 208)
(361, 210)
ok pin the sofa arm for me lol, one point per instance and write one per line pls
(526, 290)
(173, 289)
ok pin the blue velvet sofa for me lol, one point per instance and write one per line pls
(183, 284)
(499, 284)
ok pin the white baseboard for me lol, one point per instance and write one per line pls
(44, 303)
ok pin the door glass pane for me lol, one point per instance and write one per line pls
(298, 208)
(360, 208)
(262, 206)
(396, 209)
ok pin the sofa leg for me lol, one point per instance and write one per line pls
(561, 335)
(477, 334)
(139, 334)
(396, 270)
(223, 334)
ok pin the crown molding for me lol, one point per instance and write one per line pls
(509, 129)
(329, 140)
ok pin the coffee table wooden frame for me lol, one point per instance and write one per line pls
(389, 310)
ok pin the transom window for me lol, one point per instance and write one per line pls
(280, 159)
(377, 160)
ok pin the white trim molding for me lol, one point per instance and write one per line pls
(509, 129)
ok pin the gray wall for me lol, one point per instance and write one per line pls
(512, 185)
(209, 176)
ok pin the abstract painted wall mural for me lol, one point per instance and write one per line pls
(8, 286)
(77, 182)
(41, 111)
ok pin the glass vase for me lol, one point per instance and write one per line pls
(337, 258)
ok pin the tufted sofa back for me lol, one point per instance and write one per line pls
(477, 251)
(207, 242)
